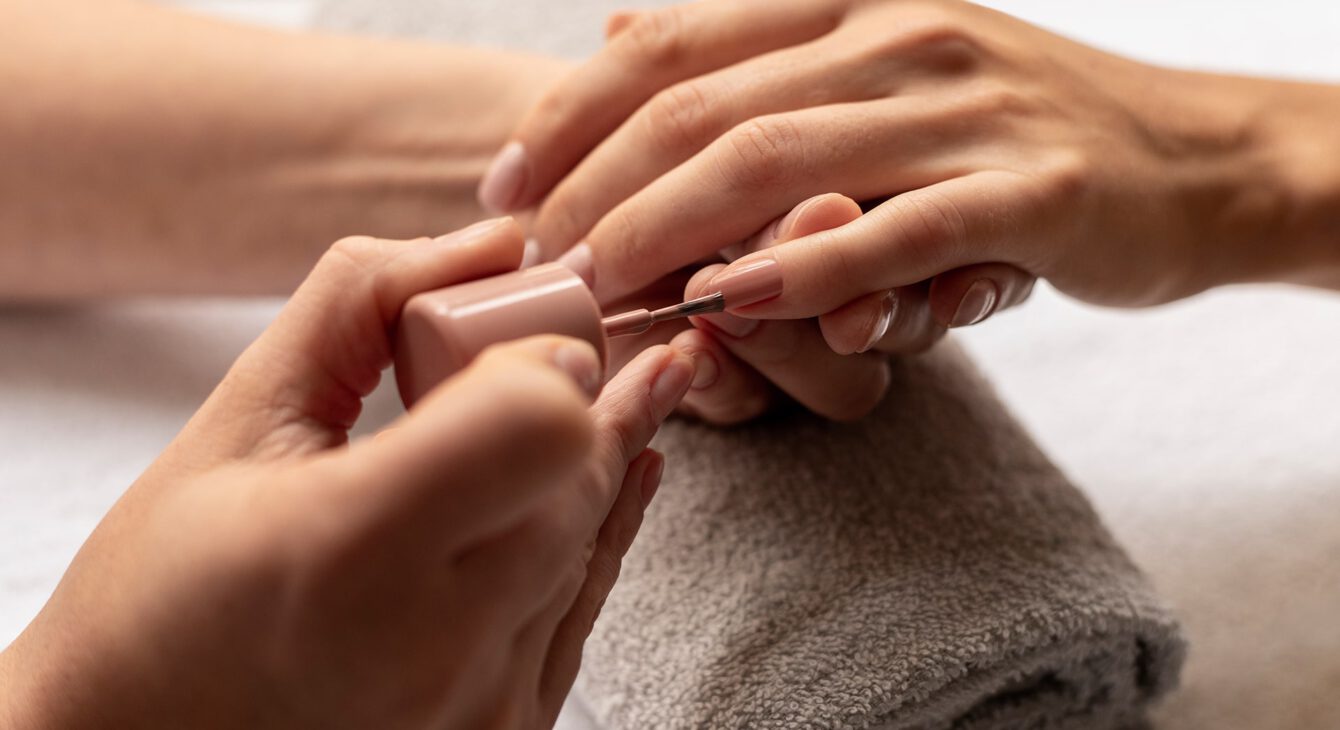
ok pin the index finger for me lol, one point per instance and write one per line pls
(654, 50)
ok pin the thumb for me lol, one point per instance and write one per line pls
(480, 451)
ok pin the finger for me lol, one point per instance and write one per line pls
(755, 173)
(794, 357)
(616, 536)
(329, 345)
(654, 50)
(910, 238)
(630, 411)
(684, 119)
(725, 390)
(475, 456)
(820, 213)
(898, 321)
(969, 295)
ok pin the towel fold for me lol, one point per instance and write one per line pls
(926, 568)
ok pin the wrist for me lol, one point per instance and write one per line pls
(1260, 204)
(1306, 136)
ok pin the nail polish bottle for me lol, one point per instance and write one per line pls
(441, 331)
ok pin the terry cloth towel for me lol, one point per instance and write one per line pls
(926, 568)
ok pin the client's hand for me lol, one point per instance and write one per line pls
(265, 573)
(743, 365)
(1001, 152)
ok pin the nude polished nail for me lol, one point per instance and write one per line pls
(750, 283)
(505, 180)
(977, 303)
(888, 305)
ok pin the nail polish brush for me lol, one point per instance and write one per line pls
(640, 320)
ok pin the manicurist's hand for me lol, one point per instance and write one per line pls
(266, 573)
(989, 151)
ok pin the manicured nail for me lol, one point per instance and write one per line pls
(977, 303)
(532, 254)
(887, 306)
(504, 182)
(672, 383)
(706, 370)
(578, 258)
(472, 233)
(737, 327)
(749, 283)
(580, 361)
(651, 481)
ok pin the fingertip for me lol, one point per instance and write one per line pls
(504, 183)
(672, 382)
(820, 213)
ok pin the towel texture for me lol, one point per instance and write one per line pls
(927, 568)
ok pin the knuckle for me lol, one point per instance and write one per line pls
(654, 38)
(931, 226)
(762, 153)
(996, 100)
(1068, 176)
(681, 117)
(935, 40)
(357, 250)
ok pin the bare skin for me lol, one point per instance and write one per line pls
(265, 572)
(992, 152)
(148, 151)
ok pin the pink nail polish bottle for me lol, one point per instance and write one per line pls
(441, 331)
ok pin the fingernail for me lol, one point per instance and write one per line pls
(706, 370)
(532, 254)
(578, 258)
(732, 325)
(977, 303)
(888, 305)
(672, 383)
(505, 179)
(473, 232)
(750, 283)
(582, 364)
(651, 481)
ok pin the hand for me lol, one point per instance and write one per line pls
(743, 365)
(442, 574)
(1001, 152)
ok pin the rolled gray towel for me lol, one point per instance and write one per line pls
(926, 568)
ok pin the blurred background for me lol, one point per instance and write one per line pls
(1207, 433)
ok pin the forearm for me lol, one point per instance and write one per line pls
(149, 151)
